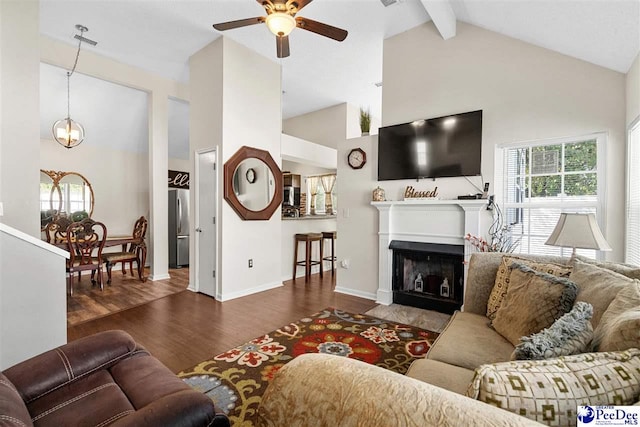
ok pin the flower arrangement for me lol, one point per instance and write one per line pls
(500, 238)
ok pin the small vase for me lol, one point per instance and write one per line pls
(365, 133)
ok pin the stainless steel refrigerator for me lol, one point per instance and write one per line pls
(178, 228)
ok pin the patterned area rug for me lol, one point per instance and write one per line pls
(236, 379)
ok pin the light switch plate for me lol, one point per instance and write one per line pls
(1, 209)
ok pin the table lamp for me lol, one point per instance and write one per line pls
(578, 230)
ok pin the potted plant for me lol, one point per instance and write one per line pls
(365, 121)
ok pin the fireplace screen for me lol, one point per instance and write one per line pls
(428, 275)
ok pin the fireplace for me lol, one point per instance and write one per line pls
(428, 275)
(432, 222)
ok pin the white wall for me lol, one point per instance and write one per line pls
(245, 86)
(326, 127)
(253, 117)
(299, 150)
(633, 91)
(357, 221)
(33, 310)
(19, 115)
(120, 185)
(525, 92)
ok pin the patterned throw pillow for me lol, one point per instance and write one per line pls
(502, 279)
(619, 328)
(570, 334)
(549, 391)
(533, 302)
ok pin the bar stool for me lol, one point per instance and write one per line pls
(308, 239)
(333, 235)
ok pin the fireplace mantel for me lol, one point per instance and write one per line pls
(427, 221)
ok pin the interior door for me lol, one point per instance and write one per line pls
(205, 204)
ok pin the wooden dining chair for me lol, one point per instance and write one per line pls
(86, 240)
(56, 230)
(136, 252)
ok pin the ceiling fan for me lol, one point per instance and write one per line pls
(281, 20)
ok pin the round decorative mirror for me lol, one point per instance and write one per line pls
(253, 184)
(64, 193)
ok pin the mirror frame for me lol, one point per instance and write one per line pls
(230, 167)
(56, 177)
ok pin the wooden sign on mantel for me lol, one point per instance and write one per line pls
(411, 193)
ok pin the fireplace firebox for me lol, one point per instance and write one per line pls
(428, 275)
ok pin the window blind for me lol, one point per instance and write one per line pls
(632, 240)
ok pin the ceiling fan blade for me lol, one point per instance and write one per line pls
(296, 5)
(282, 46)
(239, 23)
(322, 29)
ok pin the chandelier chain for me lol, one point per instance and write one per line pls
(73, 69)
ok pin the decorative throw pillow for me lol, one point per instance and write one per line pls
(502, 279)
(619, 327)
(549, 391)
(533, 302)
(570, 334)
(597, 286)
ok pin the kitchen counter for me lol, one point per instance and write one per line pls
(308, 217)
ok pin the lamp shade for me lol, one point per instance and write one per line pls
(576, 230)
(280, 23)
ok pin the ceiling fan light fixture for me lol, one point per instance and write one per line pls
(280, 23)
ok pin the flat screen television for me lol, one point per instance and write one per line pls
(441, 147)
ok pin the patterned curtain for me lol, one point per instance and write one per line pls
(313, 189)
(328, 181)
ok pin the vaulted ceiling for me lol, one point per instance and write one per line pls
(160, 36)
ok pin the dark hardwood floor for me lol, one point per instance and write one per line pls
(186, 328)
(125, 291)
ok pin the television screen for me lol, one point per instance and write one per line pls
(441, 147)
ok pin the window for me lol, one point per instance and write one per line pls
(632, 232)
(545, 178)
(319, 197)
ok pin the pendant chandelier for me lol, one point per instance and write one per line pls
(67, 131)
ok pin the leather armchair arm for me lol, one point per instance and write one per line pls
(182, 409)
(49, 371)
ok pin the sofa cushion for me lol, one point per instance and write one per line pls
(503, 274)
(627, 270)
(570, 334)
(619, 328)
(597, 286)
(450, 377)
(549, 391)
(468, 342)
(533, 302)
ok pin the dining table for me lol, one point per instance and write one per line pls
(118, 240)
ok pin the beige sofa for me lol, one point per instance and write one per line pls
(326, 390)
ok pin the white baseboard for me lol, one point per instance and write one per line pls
(226, 296)
(300, 272)
(355, 293)
(154, 277)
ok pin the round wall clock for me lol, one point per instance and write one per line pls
(251, 175)
(357, 158)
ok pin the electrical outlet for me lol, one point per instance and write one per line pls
(250, 263)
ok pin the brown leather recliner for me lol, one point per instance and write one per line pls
(102, 380)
